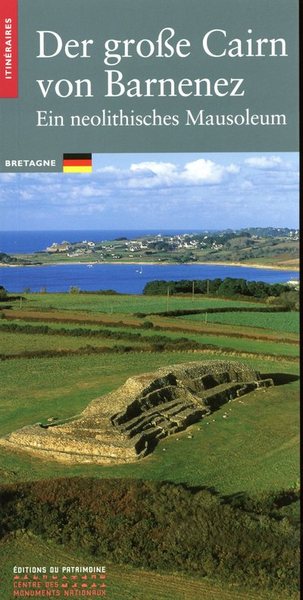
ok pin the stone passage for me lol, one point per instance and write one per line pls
(126, 424)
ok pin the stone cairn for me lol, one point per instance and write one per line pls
(127, 423)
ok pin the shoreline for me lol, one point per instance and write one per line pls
(138, 264)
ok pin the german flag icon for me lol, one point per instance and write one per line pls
(77, 163)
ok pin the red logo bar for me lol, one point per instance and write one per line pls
(8, 48)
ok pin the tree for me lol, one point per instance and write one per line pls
(3, 293)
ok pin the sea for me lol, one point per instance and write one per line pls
(123, 278)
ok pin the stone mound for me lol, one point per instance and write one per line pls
(126, 424)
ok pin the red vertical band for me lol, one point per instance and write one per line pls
(8, 48)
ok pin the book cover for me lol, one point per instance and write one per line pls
(149, 299)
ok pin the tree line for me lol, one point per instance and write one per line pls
(227, 287)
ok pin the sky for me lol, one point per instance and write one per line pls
(150, 191)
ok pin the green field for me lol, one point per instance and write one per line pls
(283, 321)
(254, 450)
(239, 345)
(58, 338)
(96, 303)
(257, 437)
(18, 343)
(37, 388)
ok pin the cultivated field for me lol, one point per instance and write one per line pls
(119, 303)
(288, 322)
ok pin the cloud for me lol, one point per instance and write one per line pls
(264, 162)
(171, 190)
(159, 174)
(246, 184)
(110, 169)
(25, 195)
(7, 177)
(206, 171)
(84, 210)
(160, 169)
(151, 174)
(87, 191)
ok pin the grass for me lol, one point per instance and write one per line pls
(283, 321)
(16, 343)
(218, 329)
(13, 342)
(226, 342)
(95, 303)
(254, 449)
(164, 325)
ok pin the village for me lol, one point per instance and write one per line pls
(259, 245)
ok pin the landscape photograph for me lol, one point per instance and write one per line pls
(149, 345)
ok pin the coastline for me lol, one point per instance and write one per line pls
(138, 264)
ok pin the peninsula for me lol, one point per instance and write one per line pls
(264, 247)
